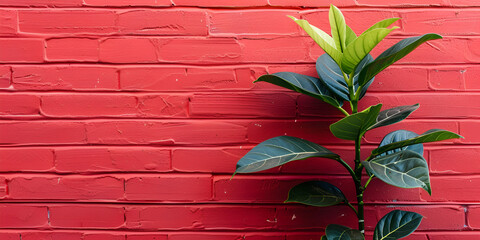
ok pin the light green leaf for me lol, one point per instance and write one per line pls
(382, 24)
(393, 115)
(354, 126)
(339, 232)
(303, 84)
(350, 35)
(396, 224)
(278, 151)
(316, 193)
(338, 26)
(405, 169)
(321, 38)
(432, 135)
(393, 54)
(359, 48)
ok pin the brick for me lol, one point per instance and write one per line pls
(103, 236)
(169, 188)
(51, 236)
(89, 216)
(470, 76)
(453, 189)
(473, 218)
(5, 76)
(3, 187)
(401, 3)
(60, 49)
(447, 78)
(204, 236)
(41, 132)
(469, 130)
(220, 3)
(453, 236)
(310, 3)
(88, 105)
(203, 217)
(465, 160)
(127, 3)
(26, 159)
(146, 236)
(128, 50)
(277, 50)
(23, 216)
(160, 106)
(19, 105)
(296, 217)
(41, 3)
(21, 50)
(165, 132)
(256, 22)
(112, 159)
(457, 22)
(73, 188)
(64, 77)
(67, 21)
(393, 79)
(163, 22)
(242, 105)
(218, 160)
(10, 236)
(8, 23)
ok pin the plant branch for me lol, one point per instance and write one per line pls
(352, 207)
(368, 182)
(343, 111)
(350, 170)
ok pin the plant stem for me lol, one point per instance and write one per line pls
(343, 111)
(352, 207)
(359, 188)
(350, 170)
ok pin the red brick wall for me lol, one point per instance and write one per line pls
(123, 119)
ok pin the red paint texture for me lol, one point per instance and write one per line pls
(123, 119)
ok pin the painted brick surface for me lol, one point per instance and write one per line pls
(123, 119)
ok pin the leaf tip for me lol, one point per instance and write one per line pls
(292, 17)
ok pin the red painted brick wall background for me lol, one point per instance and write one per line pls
(123, 119)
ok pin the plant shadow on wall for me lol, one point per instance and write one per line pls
(345, 71)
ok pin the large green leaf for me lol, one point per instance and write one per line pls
(338, 26)
(303, 84)
(382, 24)
(405, 169)
(400, 135)
(432, 135)
(316, 193)
(278, 151)
(331, 75)
(339, 232)
(350, 35)
(393, 54)
(396, 224)
(359, 48)
(321, 38)
(354, 126)
(393, 115)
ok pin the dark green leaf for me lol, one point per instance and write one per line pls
(316, 193)
(354, 126)
(278, 151)
(303, 84)
(405, 169)
(323, 237)
(393, 54)
(393, 115)
(400, 135)
(396, 224)
(339, 232)
(432, 135)
(338, 26)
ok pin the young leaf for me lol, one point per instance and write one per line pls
(321, 38)
(432, 135)
(396, 224)
(303, 84)
(278, 151)
(393, 115)
(316, 193)
(338, 26)
(405, 169)
(354, 126)
(350, 35)
(393, 54)
(382, 24)
(400, 135)
(359, 48)
(339, 232)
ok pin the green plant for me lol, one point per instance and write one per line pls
(345, 72)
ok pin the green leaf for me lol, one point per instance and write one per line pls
(359, 48)
(339, 232)
(405, 169)
(382, 24)
(316, 193)
(321, 38)
(393, 115)
(393, 54)
(278, 151)
(432, 135)
(350, 35)
(400, 135)
(396, 224)
(354, 126)
(323, 237)
(338, 26)
(303, 84)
